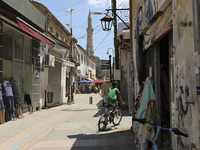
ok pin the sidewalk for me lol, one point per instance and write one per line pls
(67, 127)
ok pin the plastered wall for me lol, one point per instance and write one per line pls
(185, 81)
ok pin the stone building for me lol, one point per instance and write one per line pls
(163, 46)
(87, 68)
(22, 29)
(56, 78)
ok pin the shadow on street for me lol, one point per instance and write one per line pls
(101, 110)
(121, 140)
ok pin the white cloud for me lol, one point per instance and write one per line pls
(97, 3)
(122, 3)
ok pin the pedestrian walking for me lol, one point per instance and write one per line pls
(9, 96)
(17, 98)
(2, 108)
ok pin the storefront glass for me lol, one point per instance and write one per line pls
(27, 68)
(36, 72)
(7, 43)
(7, 52)
(17, 65)
(18, 74)
(18, 45)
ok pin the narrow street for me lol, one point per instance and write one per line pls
(67, 127)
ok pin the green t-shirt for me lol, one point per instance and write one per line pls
(112, 94)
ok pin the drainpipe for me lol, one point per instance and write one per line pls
(195, 7)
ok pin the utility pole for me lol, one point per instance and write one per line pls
(70, 99)
(110, 66)
(115, 33)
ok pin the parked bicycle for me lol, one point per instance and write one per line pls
(159, 128)
(109, 117)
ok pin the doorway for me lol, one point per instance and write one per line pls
(164, 91)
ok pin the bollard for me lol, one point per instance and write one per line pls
(90, 100)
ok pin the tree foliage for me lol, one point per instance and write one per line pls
(99, 72)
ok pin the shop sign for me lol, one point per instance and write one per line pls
(162, 25)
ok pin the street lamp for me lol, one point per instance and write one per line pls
(107, 22)
(107, 26)
(110, 63)
(108, 51)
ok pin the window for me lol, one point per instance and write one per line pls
(57, 34)
(63, 39)
(18, 45)
(82, 58)
(27, 47)
(7, 43)
(51, 30)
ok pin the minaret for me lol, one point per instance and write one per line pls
(90, 48)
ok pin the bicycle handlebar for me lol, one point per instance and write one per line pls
(178, 132)
(175, 130)
(142, 121)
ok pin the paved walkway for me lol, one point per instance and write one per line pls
(66, 127)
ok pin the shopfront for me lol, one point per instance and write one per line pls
(156, 67)
(16, 59)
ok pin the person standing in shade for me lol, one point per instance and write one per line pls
(27, 98)
(9, 95)
(17, 99)
(2, 108)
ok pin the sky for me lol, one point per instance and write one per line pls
(102, 40)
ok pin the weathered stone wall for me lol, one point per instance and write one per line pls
(185, 97)
(184, 74)
(124, 76)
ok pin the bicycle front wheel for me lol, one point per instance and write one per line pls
(102, 123)
(117, 117)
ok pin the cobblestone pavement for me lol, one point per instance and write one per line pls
(67, 127)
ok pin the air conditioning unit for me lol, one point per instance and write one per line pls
(49, 61)
(79, 71)
(126, 34)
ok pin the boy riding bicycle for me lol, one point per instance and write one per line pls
(113, 93)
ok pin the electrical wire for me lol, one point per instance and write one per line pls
(102, 40)
(88, 32)
(68, 7)
(103, 47)
(81, 10)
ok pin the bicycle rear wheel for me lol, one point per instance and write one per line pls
(117, 117)
(102, 123)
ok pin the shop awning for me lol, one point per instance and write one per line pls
(34, 32)
(69, 64)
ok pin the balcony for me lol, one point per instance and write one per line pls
(76, 60)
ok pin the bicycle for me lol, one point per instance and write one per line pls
(106, 118)
(159, 128)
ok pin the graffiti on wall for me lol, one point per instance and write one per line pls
(183, 107)
(159, 27)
